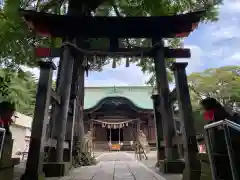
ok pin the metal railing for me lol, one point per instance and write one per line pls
(2, 138)
(224, 125)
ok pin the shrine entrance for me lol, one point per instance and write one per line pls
(78, 56)
(115, 135)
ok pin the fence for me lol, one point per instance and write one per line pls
(223, 125)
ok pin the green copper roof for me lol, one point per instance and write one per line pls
(139, 95)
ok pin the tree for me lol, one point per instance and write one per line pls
(220, 83)
(157, 8)
(17, 42)
(20, 88)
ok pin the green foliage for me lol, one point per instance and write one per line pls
(158, 8)
(17, 42)
(83, 159)
(221, 83)
(18, 87)
(15, 39)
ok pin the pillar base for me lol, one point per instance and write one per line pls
(26, 176)
(55, 169)
(194, 172)
(161, 157)
(173, 167)
(7, 168)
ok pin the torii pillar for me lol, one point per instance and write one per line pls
(192, 164)
(171, 163)
(34, 166)
(158, 127)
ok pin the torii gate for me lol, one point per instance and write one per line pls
(74, 26)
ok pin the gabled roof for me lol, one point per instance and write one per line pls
(140, 96)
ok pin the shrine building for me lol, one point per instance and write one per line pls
(115, 113)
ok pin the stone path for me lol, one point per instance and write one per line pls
(151, 162)
(114, 166)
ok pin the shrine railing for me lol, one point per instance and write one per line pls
(2, 137)
(223, 125)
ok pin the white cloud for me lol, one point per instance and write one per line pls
(231, 5)
(194, 63)
(234, 59)
(109, 82)
(120, 75)
(225, 32)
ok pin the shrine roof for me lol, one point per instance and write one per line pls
(140, 96)
(179, 25)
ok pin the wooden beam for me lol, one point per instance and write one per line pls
(42, 52)
(119, 27)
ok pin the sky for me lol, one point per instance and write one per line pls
(212, 45)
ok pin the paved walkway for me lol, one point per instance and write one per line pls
(114, 166)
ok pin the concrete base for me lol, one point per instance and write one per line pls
(7, 173)
(194, 172)
(33, 176)
(6, 162)
(189, 174)
(54, 169)
(173, 167)
(206, 173)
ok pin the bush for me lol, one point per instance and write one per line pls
(84, 159)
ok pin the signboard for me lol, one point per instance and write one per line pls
(2, 137)
(116, 147)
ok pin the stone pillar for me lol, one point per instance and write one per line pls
(192, 165)
(163, 91)
(35, 159)
(158, 127)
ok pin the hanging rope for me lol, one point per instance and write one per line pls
(107, 53)
(113, 125)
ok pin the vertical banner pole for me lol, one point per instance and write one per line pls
(110, 135)
(119, 135)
